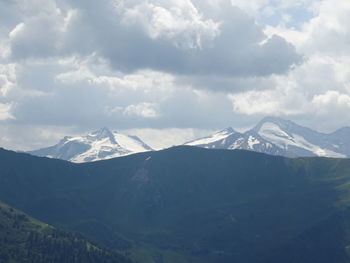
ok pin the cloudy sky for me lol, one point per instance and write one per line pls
(169, 70)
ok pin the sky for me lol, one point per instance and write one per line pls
(169, 71)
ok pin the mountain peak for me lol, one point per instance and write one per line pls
(276, 120)
(228, 130)
(217, 137)
(97, 145)
(282, 123)
(102, 134)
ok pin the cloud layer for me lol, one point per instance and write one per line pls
(72, 66)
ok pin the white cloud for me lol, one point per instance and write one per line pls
(5, 111)
(176, 21)
(145, 110)
(289, 13)
(27, 42)
(278, 102)
(330, 102)
(318, 90)
(177, 37)
(5, 49)
(182, 64)
(7, 78)
(328, 32)
(34, 137)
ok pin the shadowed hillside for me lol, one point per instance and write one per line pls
(188, 204)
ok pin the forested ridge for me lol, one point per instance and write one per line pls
(24, 239)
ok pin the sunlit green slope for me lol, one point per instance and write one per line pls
(24, 239)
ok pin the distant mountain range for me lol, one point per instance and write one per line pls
(98, 145)
(271, 135)
(277, 136)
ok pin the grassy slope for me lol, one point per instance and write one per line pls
(25, 239)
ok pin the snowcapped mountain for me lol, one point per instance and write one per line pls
(98, 145)
(230, 139)
(218, 140)
(281, 137)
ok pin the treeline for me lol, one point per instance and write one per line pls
(23, 239)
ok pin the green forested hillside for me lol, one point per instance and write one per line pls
(24, 239)
(188, 204)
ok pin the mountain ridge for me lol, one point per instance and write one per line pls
(271, 135)
(276, 136)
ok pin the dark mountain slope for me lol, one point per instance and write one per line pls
(188, 204)
(24, 239)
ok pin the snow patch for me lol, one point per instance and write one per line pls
(222, 135)
(129, 143)
(237, 144)
(252, 141)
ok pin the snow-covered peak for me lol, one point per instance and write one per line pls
(98, 145)
(216, 137)
(272, 131)
(277, 136)
(297, 140)
(101, 134)
(132, 143)
(227, 131)
(285, 125)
